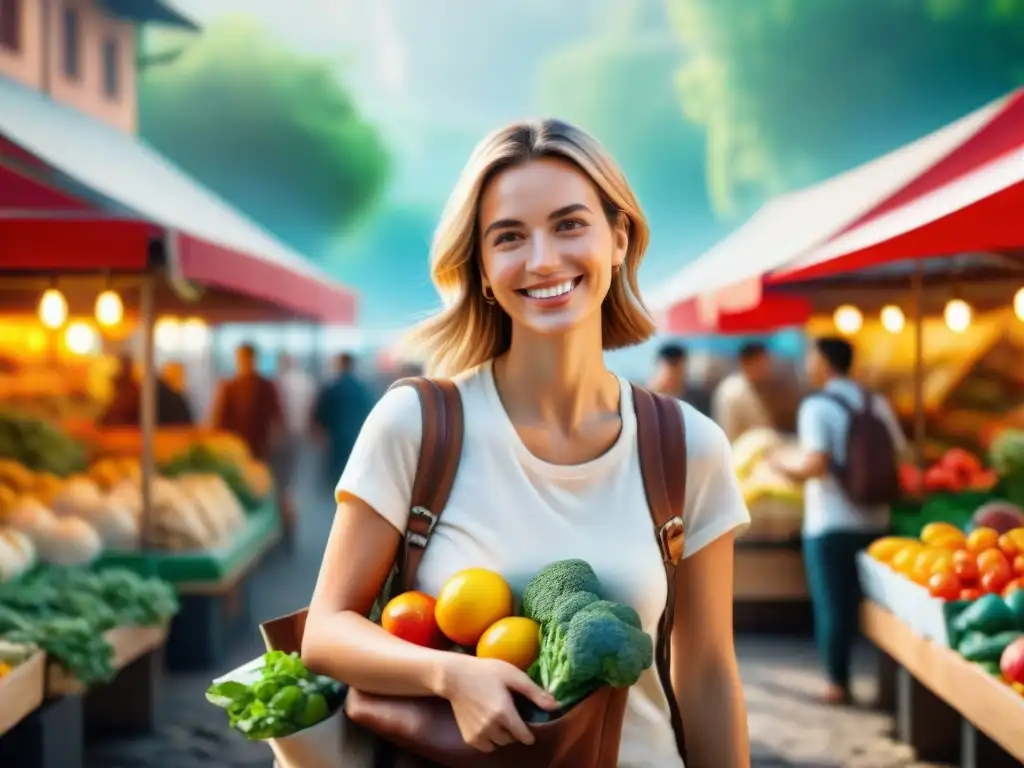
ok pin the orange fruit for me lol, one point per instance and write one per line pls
(884, 549)
(514, 639)
(992, 558)
(1008, 546)
(934, 531)
(925, 560)
(903, 561)
(950, 541)
(970, 594)
(1018, 565)
(995, 581)
(944, 586)
(470, 602)
(981, 539)
(1016, 535)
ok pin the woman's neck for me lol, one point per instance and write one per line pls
(559, 379)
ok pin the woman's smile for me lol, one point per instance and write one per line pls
(551, 293)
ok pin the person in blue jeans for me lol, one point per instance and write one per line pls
(834, 528)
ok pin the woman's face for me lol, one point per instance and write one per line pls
(548, 250)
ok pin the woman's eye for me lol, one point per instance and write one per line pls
(505, 237)
(570, 224)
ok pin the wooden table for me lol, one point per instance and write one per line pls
(944, 703)
(21, 691)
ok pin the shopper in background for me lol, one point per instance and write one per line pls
(172, 404)
(671, 377)
(738, 405)
(836, 525)
(126, 397)
(249, 405)
(341, 408)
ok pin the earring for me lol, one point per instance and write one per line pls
(488, 294)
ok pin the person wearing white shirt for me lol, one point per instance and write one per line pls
(737, 406)
(834, 527)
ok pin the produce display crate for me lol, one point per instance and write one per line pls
(935, 683)
(928, 617)
(212, 565)
(21, 691)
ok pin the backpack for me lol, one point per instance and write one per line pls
(661, 444)
(870, 475)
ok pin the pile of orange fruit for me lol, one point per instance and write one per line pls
(954, 565)
(474, 611)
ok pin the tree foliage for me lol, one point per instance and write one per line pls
(274, 133)
(790, 91)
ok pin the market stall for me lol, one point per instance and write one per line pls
(104, 246)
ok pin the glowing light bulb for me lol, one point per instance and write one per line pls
(194, 334)
(892, 318)
(1018, 304)
(167, 333)
(53, 309)
(957, 315)
(80, 338)
(109, 309)
(848, 320)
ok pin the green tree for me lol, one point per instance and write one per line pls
(791, 91)
(619, 85)
(275, 134)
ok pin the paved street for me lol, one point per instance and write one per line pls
(787, 728)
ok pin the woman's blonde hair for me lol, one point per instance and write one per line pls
(469, 330)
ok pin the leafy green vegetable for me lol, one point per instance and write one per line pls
(285, 698)
(1007, 456)
(586, 642)
(39, 446)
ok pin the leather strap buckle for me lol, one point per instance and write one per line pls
(414, 537)
(672, 538)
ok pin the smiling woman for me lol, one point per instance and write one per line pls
(549, 189)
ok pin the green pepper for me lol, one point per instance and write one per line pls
(979, 647)
(989, 614)
(1015, 602)
(286, 700)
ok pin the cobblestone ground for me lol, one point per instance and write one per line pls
(788, 729)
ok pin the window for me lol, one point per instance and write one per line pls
(71, 43)
(110, 71)
(10, 24)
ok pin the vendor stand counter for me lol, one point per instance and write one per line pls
(770, 588)
(947, 709)
(36, 732)
(128, 704)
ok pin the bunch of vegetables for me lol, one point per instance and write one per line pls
(1007, 455)
(958, 470)
(990, 633)
(569, 639)
(39, 446)
(955, 565)
(67, 611)
(11, 655)
(283, 698)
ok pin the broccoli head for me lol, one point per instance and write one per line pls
(601, 643)
(561, 578)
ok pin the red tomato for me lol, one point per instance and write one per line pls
(410, 616)
(1018, 565)
(994, 580)
(945, 586)
(965, 567)
(970, 594)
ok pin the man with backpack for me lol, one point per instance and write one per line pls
(848, 459)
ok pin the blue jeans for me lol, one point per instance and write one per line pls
(831, 563)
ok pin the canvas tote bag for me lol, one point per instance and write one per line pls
(392, 732)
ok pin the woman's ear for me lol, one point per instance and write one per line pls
(620, 240)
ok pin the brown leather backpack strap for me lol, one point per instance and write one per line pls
(661, 443)
(440, 452)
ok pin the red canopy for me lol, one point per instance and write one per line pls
(772, 313)
(968, 172)
(48, 151)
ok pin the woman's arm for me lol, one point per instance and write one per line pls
(705, 675)
(338, 640)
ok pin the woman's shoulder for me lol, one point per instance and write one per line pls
(704, 437)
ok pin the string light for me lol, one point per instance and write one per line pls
(848, 320)
(892, 318)
(958, 315)
(109, 309)
(53, 309)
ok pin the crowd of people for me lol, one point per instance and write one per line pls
(837, 522)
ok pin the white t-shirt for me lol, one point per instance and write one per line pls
(737, 407)
(513, 513)
(822, 424)
(298, 391)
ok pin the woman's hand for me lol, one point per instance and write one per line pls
(480, 692)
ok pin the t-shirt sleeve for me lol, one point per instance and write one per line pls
(811, 430)
(714, 502)
(382, 466)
